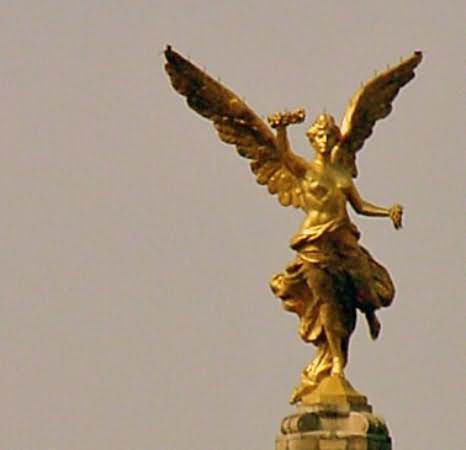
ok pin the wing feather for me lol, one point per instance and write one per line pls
(236, 124)
(264, 171)
(373, 101)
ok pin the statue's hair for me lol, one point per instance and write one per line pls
(323, 122)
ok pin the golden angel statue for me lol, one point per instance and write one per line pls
(332, 275)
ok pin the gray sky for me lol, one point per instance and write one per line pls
(136, 248)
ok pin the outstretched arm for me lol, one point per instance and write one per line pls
(395, 212)
(280, 121)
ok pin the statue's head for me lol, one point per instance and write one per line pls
(324, 133)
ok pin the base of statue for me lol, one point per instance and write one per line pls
(334, 417)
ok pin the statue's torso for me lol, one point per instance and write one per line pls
(324, 190)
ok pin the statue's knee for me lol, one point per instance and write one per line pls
(277, 285)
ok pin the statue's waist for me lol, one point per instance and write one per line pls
(325, 235)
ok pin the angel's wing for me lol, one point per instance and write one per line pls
(373, 101)
(236, 124)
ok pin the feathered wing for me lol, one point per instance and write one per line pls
(373, 101)
(236, 124)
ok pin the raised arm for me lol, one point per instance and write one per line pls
(280, 121)
(395, 212)
(236, 123)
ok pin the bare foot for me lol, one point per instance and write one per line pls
(374, 325)
(305, 388)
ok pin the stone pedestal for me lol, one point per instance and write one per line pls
(334, 417)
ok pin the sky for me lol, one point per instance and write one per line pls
(136, 248)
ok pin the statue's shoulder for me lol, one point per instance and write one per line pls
(343, 179)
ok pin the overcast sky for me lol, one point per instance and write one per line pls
(136, 248)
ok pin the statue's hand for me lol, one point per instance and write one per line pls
(286, 118)
(396, 214)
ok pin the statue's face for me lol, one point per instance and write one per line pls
(322, 138)
(323, 134)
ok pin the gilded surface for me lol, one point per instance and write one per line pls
(332, 275)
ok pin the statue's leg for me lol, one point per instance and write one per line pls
(338, 360)
(372, 281)
(364, 283)
(374, 287)
(382, 280)
(332, 316)
(321, 365)
(292, 287)
(313, 373)
(373, 323)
